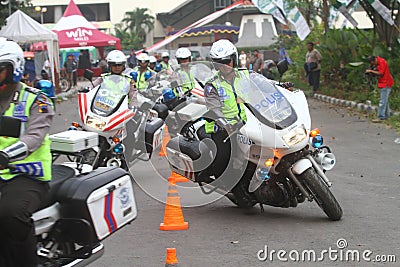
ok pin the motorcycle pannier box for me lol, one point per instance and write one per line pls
(153, 134)
(104, 198)
(73, 141)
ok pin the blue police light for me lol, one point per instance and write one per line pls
(119, 148)
(168, 94)
(47, 87)
(262, 174)
(317, 141)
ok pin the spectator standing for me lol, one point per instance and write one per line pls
(380, 68)
(313, 66)
(242, 59)
(47, 67)
(132, 60)
(256, 61)
(70, 68)
(84, 60)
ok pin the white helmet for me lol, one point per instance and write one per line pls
(11, 53)
(224, 49)
(183, 53)
(116, 57)
(165, 54)
(152, 59)
(143, 57)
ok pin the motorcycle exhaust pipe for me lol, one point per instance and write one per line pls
(326, 160)
(114, 162)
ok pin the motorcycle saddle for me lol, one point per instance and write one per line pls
(60, 173)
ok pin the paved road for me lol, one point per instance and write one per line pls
(366, 183)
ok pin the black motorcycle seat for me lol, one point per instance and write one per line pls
(60, 173)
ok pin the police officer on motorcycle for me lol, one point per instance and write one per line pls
(153, 64)
(165, 61)
(142, 73)
(116, 61)
(25, 158)
(184, 57)
(223, 101)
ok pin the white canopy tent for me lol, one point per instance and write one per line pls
(23, 29)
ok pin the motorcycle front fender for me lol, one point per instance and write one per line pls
(301, 166)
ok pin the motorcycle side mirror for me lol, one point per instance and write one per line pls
(88, 74)
(10, 127)
(282, 66)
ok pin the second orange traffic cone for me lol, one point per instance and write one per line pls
(171, 260)
(173, 216)
(165, 140)
(178, 178)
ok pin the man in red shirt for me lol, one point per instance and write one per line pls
(385, 83)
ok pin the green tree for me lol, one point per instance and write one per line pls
(387, 33)
(24, 5)
(134, 27)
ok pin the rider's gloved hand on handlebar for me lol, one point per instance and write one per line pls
(4, 160)
(85, 90)
(224, 124)
(288, 85)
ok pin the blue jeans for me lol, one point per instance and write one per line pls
(383, 109)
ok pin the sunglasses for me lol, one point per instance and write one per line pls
(224, 61)
(117, 65)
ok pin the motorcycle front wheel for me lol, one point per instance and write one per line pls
(321, 193)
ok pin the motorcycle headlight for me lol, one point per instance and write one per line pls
(95, 123)
(295, 136)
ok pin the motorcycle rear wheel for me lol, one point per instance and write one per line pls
(322, 195)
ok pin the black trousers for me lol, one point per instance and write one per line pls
(223, 153)
(19, 198)
(314, 77)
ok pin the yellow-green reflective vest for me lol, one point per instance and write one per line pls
(117, 89)
(141, 77)
(228, 95)
(38, 164)
(187, 81)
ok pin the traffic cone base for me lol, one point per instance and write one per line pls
(171, 227)
(173, 216)
(171, 259)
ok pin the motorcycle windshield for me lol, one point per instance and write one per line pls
(110, 94)
(181, 78)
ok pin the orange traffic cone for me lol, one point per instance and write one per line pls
(173, 216)
(165, 140)
(178, 178)
(171, 260)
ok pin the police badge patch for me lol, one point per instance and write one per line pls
(209, 88)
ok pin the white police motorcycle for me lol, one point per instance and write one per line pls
(277, 159)
(83, 207)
